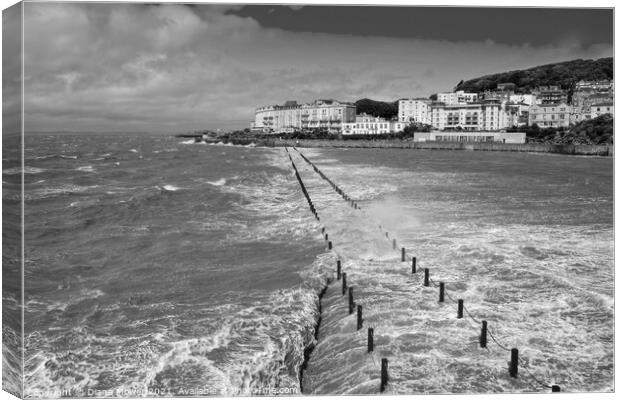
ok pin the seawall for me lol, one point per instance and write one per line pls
(575, 149)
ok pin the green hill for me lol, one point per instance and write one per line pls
(564, 74)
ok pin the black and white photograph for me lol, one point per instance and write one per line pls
(223, 200)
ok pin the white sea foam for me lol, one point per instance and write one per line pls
(219, 182)
(170, 188)
(103, 157)
(86, 168)
(27, 170)
(92, 293)
(55, 191)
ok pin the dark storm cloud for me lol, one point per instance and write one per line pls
(536, 26)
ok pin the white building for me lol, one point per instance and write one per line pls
(467, 137)
(483, 116)
(550, 115)
(414, 110)
(458, 97)
(368, 125)
(599, 109)
(590, 95)
(599, 86)
(290, 117)
(528, 99)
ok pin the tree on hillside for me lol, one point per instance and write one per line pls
(377, 108)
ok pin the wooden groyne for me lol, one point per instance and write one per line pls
(571, 149)
(515, 362)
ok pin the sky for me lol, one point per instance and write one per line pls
(177, 68)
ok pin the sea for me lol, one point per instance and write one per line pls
(156, 266)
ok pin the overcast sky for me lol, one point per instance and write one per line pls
(132, 67)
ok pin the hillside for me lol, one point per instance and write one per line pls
(565, 74)
(377, 108)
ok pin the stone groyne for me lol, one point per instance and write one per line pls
(575, 149)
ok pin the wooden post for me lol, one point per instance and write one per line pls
(555, 388)
(323, 230)
(384, 374)
(483, 335)
(394, 244)
(459, 313)
(371, 340)
(425, 276)
(338, 269)
(351, 304)
(386, 235)
(413, 262)
(329, 245)
(514, 363)
(344, 283)
(360, 320)
(442, 287)
(402, 254)
(326, 236)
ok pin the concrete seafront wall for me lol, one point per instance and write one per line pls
(576, 149)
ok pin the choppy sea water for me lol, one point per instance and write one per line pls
(155, 266)
(526, 240)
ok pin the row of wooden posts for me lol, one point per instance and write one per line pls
(343, 275)
(345, 196)
(303, 188)
(514, 352)
(360, 322)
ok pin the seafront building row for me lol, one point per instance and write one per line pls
(546, 106)
(329, 115)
